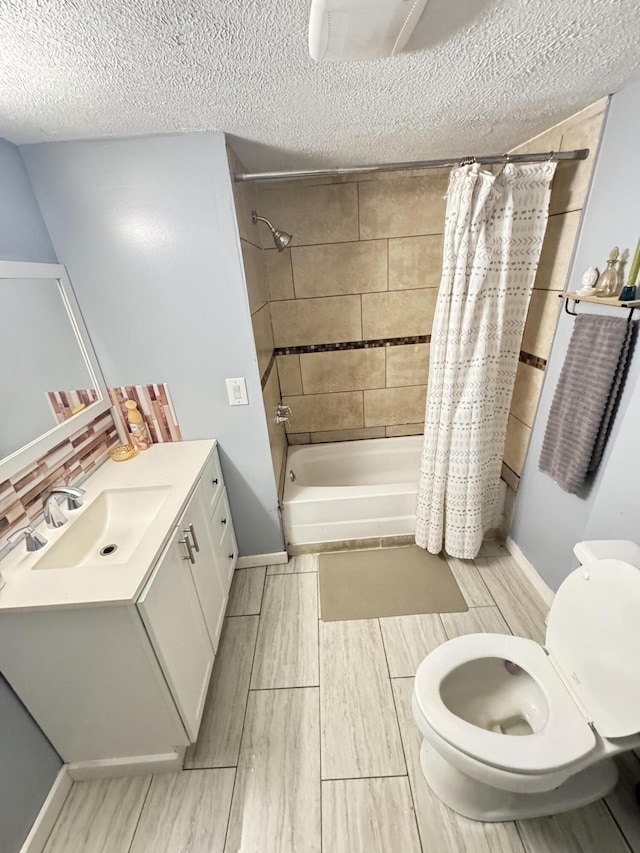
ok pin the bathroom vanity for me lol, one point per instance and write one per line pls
(109, 632)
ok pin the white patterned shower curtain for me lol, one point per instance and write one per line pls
(493, 236)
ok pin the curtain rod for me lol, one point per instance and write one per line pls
(488, 160)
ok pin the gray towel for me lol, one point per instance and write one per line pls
(585, 399)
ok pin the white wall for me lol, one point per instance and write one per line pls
(28, 762)
(147, 229)
(547, 522)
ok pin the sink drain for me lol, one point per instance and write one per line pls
(108, 549)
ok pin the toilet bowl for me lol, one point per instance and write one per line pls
(513, 729)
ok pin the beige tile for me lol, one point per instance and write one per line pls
(507, 511)
(99, 815)
(510, 477)
(415, 262)
(368, 816)
(526, 393)
(276, 799)
(185, 813)
(398, 541)
(244, 195)
(245, 595)
(390, 406)
(441, 829)
(289, 374)
(287, 647)
(342, 370)
(263, 337)
(316, 412)
(297, 565)
(398, 314)
(549, 140)
(472, 587)
(313, 214)
(254, 275)
(557, 249)
(277, 434)
(571, 181)
(407, 365)
(403, 206)
(316, 321)
(405, 429)
(477, 620)
(541, 322)
(516, 444)
(587, 829)
(279, 274)
(519, 603)
(339, 268)
(295, 438)
(347, 435)
(218, 741)
(408, 640)
(360, 734)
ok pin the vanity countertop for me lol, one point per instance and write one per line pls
(173, 466)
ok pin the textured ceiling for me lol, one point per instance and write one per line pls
(479, 76)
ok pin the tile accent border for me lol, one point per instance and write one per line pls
(67, 462)
(533, 360)
(267, 373)
(350, 345)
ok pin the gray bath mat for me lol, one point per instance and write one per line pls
(386, 582)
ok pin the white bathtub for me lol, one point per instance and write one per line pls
(352, 489)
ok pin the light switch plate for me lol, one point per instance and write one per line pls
(237, 392)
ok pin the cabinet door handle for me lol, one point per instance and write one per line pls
(231, 556)
(194, 538)
(215, 482)
(223, 521)
(189, 556)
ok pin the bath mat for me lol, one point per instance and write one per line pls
(386, 582)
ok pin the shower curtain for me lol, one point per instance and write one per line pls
(493, 236)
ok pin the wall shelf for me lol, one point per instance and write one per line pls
(598, 300)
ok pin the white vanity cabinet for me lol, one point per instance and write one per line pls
(122, 681)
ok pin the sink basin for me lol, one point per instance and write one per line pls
(108, 530)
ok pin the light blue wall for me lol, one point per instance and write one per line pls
(28, 762)
(547, 522)
(147, 229)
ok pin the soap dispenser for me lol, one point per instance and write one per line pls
(140, 436)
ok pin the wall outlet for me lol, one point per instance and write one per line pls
(237, 392)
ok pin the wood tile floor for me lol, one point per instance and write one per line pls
(308, 743)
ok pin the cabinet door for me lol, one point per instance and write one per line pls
(212, 592)
(171, 613)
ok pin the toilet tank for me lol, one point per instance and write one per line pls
(608, 549)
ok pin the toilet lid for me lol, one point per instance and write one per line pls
(593, 638)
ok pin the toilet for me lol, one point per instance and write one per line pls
(516, 730)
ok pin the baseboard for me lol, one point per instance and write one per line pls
(545, 592)
(137, 765)
(48, 814)
(277, 558)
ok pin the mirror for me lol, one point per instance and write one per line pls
(45, 379)
(50, 382)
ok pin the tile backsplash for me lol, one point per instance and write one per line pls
(67, 462)
(155, 404)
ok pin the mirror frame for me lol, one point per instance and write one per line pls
(31, 452)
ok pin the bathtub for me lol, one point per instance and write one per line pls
(351, 490)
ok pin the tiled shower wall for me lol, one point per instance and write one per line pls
(568, 197)
(255, 275)
(352, 300)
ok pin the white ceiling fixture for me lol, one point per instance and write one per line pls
(352, 30)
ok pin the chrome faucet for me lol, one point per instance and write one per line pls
(53, 514)
(34, 541)
(283, 414)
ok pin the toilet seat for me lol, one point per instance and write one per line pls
(565, 738)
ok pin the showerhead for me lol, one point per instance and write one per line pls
(280, 238)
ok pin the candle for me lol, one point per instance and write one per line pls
(635, 267)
